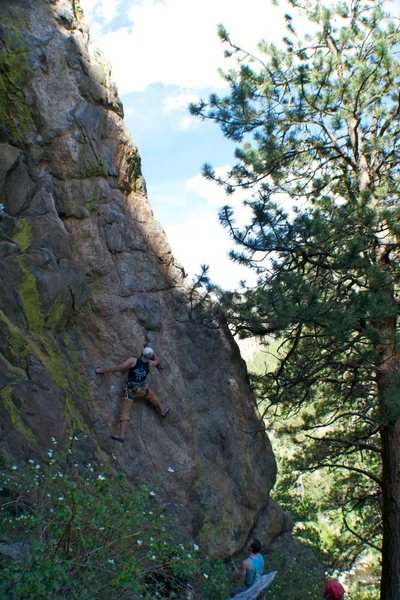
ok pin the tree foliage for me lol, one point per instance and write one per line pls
(317, 128)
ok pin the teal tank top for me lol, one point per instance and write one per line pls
(257, 568)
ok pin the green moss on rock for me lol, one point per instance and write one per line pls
(15, 73)
(74, 369)
(55, 316)
(17, 348)
(216, 526)
(73, 417)
(62, 364)
(23, 235)
(68, 378)
(30, 299)
(16, 420)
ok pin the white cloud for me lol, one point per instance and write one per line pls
(206, 243)
(102, 11)
(178, 101)
(393, 8)
(208, 190)
(189, 123)
(217, 198)
(178, 104)
(174, 42)
(188, 211)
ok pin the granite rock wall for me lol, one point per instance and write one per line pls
(88, 279)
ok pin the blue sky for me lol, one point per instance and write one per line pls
(165, 54)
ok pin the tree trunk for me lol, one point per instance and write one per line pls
(388, 378)
(390, 585)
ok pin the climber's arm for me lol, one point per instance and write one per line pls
(245, 567)
(155, 361)
(124, 366)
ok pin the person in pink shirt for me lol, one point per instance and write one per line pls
(333, 590)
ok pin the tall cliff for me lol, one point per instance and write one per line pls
(88, 278)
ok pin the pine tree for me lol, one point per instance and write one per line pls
(317, 129)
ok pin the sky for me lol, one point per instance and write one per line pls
(165, 54)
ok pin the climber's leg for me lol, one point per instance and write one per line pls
(152, 398)
(122, 428)
(124, 414)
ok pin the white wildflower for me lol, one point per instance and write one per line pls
(171, 470)
(196, 547)
(139, 542)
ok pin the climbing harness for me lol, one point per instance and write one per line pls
(131, 388)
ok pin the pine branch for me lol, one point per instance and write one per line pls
(354, 445)
(323, 465)
(362, 539)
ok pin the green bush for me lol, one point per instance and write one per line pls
(91, 536)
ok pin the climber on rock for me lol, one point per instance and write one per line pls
(136, 387)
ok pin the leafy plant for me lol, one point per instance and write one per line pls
(92, 536)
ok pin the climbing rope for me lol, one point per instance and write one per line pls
(159, 474)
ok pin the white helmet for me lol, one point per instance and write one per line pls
(147, 354)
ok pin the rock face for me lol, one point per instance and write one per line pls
(88, 279)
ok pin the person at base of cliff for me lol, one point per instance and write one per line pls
(138, 369)
(333, 590)
(253, 565)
